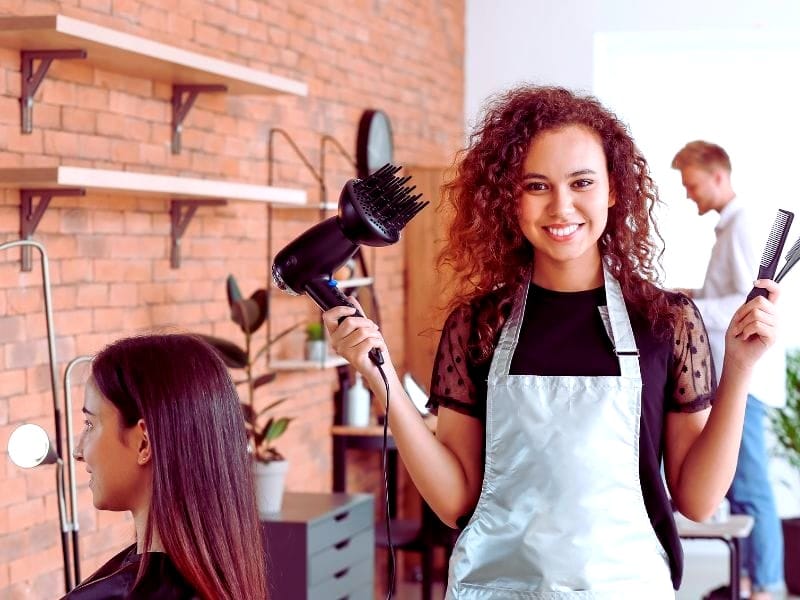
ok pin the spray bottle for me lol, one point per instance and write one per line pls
(358, 403)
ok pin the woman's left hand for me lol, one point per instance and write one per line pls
(753, 328)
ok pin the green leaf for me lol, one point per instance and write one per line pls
(276, 428)
(261, 435)
(232, 288)
(231, 354)
(314, 331)
(786, 421)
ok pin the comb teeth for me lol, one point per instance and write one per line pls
(775, 242)
(386, 202)
(794, 251)
(791, 260)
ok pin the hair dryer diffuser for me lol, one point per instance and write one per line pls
(372, 212)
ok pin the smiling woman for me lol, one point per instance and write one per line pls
(563, 208)
(564, 375)
(162, 421)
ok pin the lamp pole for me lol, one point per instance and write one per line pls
(51, 348)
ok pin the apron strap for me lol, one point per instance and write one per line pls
(509, 335)
(619, 326)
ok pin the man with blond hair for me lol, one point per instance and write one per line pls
(706, 174)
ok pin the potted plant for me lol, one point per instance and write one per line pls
(786, 424)
(316, 344)
(269, 466)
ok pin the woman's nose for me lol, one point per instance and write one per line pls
(561, 202)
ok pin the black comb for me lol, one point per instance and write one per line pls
(773, 250)
(791, 260)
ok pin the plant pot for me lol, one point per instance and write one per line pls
(791, 554)
(316, 350)
(270, 478)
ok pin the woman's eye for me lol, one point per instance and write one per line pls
(535, 186)
(87, 424)
(582, 183)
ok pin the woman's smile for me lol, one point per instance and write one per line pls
(563, 233)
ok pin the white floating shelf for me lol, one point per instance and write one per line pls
(137, 56)
(146, 183)
(305, 365)
(328, 206)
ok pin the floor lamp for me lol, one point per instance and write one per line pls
(32, 447)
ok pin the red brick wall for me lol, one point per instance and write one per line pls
(109, 254)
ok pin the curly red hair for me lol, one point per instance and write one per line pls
(487, 250)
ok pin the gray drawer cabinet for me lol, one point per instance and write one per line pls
(321, 547)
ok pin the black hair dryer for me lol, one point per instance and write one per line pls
(372, 211)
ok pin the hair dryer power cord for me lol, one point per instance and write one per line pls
(384, 460)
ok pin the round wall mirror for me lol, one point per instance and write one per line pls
(374, 143)
(29, 446)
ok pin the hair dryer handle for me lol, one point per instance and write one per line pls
(326, 294)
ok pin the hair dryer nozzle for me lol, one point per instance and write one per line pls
(373, 210)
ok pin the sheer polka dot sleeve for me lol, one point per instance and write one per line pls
(693, 381)
(451, 384)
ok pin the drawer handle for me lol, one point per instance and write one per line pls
(341, 516)
(342, 544)
(340, 574)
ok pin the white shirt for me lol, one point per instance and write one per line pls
(729, 278)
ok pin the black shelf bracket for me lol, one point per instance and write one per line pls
(180, 221)
(30, 215)
(32, 78)
(183, 98)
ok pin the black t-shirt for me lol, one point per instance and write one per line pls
(115, 579)
(563, 334)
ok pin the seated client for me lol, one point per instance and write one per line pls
(164, 438)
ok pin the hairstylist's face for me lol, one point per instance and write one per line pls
(564, 205)
(702, 187)
(117, 457)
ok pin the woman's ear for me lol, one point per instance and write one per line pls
(143, 449)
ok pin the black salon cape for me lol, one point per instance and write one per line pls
(114, 580)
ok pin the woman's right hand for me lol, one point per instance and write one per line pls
(354, 337)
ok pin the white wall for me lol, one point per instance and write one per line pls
(551, 41)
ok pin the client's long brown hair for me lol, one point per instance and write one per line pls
(203, 504)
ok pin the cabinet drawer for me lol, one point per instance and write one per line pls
(347, 552)
(350, 583)
(338, 526)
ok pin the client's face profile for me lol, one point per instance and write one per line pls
(111, 452)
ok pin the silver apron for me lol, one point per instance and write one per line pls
(561, 513)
